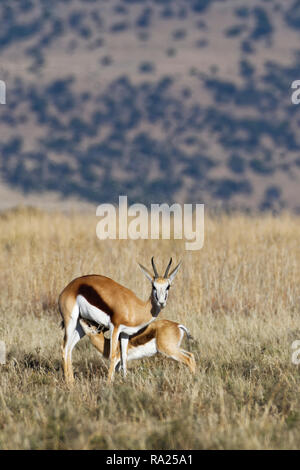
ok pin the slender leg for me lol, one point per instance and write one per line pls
(180, 355)
(114, 344)
(78, 334)
(186, 358)
(68, 339)
(73, 334)
(124, 347)
(99, 341)
(72, 339)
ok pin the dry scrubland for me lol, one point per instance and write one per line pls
(239, 296)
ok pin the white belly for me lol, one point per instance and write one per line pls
(90, 312)
(145, 350)
(132, 330)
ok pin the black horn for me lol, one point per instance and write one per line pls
(168, 267)
(154, 268)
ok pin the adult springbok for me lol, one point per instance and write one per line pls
(161, 336)
(107, 303)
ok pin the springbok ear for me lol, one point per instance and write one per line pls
(146, 272)
(174, 272)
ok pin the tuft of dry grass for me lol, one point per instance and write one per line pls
(239, 296)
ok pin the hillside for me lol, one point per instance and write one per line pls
(160, 100)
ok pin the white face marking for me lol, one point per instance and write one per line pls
(90, 312)
(160, 292)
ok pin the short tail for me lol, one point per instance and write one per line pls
(190, 338)
(187, 332)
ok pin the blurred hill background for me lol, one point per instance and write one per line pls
(164, 101)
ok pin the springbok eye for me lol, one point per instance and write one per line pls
(168, 287)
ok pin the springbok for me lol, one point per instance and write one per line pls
(113, 306)
(161, 336)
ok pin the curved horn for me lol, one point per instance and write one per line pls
(174, 272)
(154, 268)
(168, 267)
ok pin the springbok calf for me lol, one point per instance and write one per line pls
(161, 336)
(113, 306)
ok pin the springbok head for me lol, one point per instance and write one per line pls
(160, 284)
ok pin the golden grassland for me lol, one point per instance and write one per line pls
(239, 296)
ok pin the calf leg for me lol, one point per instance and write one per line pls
(124, 348)
(114, 344)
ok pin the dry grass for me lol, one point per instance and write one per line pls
(239, 296)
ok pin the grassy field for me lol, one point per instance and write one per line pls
(239, 296)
